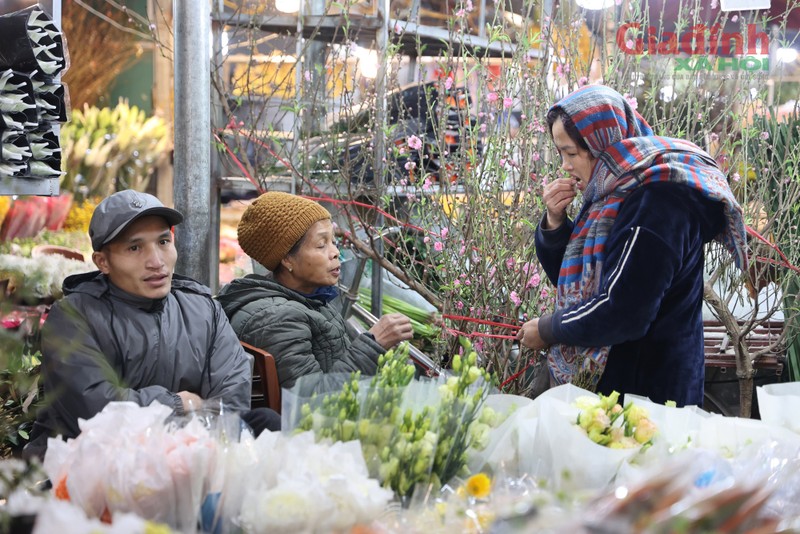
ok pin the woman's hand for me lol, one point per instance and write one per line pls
(530, 337)
(557, 195)
(391, 329)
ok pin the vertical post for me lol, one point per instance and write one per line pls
(382, 42)
(192, 180)
(217, 121)
(55, 13)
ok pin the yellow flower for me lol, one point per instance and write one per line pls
(645, 431)
(156, 528)
(479, 485)
(79, 216)
(5, 205)
(636, 414)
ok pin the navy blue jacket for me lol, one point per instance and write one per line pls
(650, 299)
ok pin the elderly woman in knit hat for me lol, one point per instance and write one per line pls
(288, 313)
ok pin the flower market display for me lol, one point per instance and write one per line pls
(396, 454)
(434, 170)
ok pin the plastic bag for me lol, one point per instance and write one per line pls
(779, 404)
(510, 441)
(730, 435)
(694, 491)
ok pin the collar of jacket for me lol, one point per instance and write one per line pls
(143, 303)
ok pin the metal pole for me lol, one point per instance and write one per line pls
(192, 181)
(382, 41)
(55, 13)
(217, 121)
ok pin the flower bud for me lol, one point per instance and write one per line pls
(635, 414)
(473, 374)
(608, 402)
(645, 431)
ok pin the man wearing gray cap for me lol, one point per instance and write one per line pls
(135, 331)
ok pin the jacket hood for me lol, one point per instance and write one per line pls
(95, 284)
(253, 287)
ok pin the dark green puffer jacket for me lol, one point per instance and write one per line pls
(306, 336)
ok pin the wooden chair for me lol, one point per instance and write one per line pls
(266, 388)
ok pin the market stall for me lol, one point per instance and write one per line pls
(393, 454)
(455, 453)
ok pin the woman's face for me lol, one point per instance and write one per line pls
(576, 161)
(316, 262)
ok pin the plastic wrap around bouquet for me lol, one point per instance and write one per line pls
(140, 460)
(413, 433)
(504, 443)
(282, 483)
(779, 404)
(568, 437)
(700, 490)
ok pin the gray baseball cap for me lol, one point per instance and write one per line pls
(116, 212)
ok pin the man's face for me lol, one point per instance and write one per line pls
(140, 260)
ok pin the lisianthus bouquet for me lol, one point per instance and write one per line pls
(609, 424)
(40, 278)
(466, 508)
(411, 431)
(574, 430)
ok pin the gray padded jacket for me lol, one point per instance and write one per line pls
(101, 344)
(306, 336)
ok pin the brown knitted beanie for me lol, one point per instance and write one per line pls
(273, 223)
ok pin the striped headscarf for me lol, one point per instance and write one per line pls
(628, 156)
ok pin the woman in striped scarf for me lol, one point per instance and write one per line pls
(629, 269)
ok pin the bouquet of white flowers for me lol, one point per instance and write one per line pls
(288, 483)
